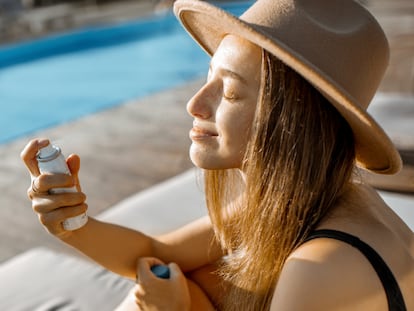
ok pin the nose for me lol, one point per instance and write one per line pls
(201, 104)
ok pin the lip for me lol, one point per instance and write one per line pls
(200, 133)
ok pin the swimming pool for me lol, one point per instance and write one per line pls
(61, 78)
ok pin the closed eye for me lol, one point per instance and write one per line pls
(231, 90)
(230, 97)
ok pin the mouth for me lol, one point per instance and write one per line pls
(198, 133)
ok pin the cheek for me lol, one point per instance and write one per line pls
(235, 126)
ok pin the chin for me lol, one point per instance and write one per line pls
(209, 161)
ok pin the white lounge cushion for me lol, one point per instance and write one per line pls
(402, 204)
(43, 280)
(163, 207)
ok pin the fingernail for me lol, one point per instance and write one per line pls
(43, 141)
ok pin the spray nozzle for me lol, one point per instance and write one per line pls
(48, 153)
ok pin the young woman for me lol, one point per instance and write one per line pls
(279, 128)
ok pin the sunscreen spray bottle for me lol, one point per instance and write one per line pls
(51, 160)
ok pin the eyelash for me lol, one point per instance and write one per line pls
(229, 98)
(229, 94)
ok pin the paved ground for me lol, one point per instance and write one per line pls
(135, 145)
(123, 150)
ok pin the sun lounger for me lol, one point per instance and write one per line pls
(43, 280)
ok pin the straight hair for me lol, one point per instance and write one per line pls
(298, 162)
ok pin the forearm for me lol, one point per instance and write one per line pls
(114, 247)
(118, 248)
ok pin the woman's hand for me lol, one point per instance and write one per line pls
(53, 209)
(156, 294)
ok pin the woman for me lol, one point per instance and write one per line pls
(278, 128)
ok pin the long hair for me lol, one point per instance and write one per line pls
(298, 162)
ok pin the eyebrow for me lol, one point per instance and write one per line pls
(230, 73)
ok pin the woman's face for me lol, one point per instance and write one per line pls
(224, 108)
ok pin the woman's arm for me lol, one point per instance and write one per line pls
(118, 248)
(115, 247)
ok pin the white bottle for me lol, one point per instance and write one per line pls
(51, 160)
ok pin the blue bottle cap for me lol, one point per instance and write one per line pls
(161, 271)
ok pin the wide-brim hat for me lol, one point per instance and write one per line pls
(337, 45)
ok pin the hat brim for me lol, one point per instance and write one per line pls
(208, 25)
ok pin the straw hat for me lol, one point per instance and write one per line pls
(336, 45)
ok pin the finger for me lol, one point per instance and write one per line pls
(73, 162)
(48, 203)
(175, 271)
(144, 265)
(37, 187)
(28, 155)
(45, 182)
(139, 291)
(178, 277)
(35, 190)
(139, 294)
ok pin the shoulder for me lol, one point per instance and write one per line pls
(325, 274)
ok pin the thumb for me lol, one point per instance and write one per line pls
(144, 265)
(175, 271)
(73, 162)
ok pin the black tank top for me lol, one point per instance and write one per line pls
(392, 290)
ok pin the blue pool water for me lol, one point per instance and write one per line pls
(60, 78)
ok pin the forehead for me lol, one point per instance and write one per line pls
(237, 54)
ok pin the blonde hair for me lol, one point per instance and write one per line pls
(299, 160)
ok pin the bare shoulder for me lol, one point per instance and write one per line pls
(326, 274)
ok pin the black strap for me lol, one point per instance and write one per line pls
(392, 290)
